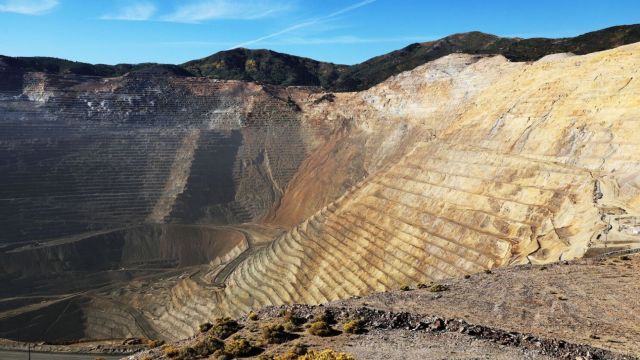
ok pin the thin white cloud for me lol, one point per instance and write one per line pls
(140, 11)
(204, 10)
(348, 39)
(28, 7)
(337, 40)
(306, 23)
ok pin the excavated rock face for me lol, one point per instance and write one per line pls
(463, 164)
(99, 176)
(83, 154)
(467, 163)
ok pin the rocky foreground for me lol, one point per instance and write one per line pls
(585, 309)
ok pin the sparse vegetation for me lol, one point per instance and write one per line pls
(487, 271)
(224, 327)
(275, 334)
(353, 327)
(422, 286)
(187, 353)
(252, 316)
(292, 322)
(239, 347)
(625, 257)
(170, 351)
(325, 316)
(321, 328)
(405, 288)
(467, 276)
(299, 349)
(326, 355)
(207, 345)
(292, 354)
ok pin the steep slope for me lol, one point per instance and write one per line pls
(518, 163)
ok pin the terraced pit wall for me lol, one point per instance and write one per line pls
(87, 154)
(469, 163)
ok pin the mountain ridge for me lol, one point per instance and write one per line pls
(275, 68)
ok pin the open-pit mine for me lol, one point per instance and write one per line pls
(143, 205)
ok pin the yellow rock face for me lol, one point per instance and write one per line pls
(466, 163)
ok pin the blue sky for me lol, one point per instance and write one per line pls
(174, 31)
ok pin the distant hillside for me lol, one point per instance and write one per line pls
(60, 66)
(275, 68)
(377, 69)
(267, 66)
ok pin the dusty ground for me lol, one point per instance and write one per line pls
(584, 309)
(591, 301)
(410, 345)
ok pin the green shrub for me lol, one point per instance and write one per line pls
(252, 316)
(320, 328)
(207, 345)
(353, 327)
(325, 316)
(238, 347)
(292, 322)
(275, 334)
(224, 327)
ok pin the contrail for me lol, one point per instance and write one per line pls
(305, 23)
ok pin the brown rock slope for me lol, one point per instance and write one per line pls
(468, 163)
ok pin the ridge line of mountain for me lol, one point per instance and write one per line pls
(275, 68)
